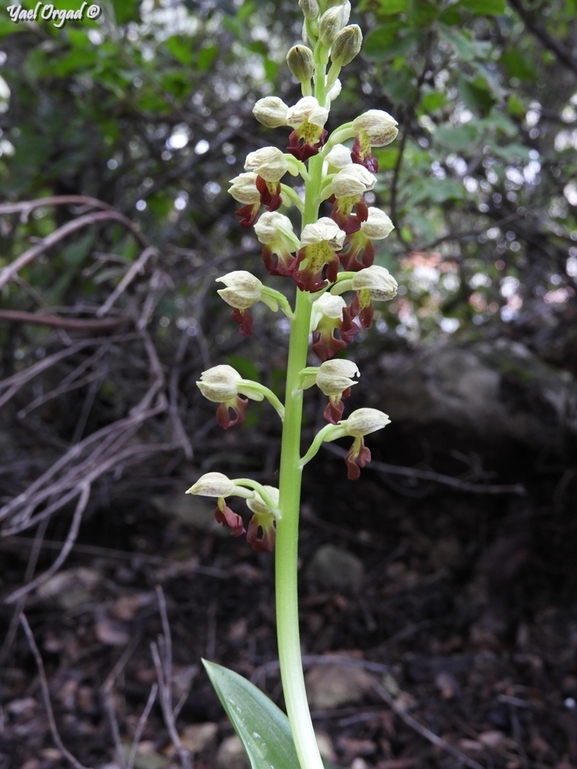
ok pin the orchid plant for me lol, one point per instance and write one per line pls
(331, 259)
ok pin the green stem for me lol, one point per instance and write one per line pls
(286, 578)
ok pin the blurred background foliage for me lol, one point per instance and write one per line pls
(148, 109)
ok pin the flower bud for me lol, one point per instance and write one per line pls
(333, 376)
(244, 188)
(268, 162)
(379, 126)
(219, 383)
(377, 280)
(242, 290)
(310, 9)
(378, 225)
(325, 230)
(301, 63)
(270, 111)
(332, 21)
(213, 485)
(347, 45)
(353, 180)
(364, 421)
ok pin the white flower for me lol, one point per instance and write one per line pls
(243, 289)
(377, 280)
(353, 180)
(219, 485)
(307, 109)
(270, 111)
(219, 383)
(243, 188)
(334, 376)
(379, 126)
(364, 421)
(378, 225)
(324, 230)
(269, 163)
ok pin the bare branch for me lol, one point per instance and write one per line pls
(46, 696)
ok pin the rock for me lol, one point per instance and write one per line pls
(330, 686)
(490, 390)
(335, 569)
(231, 754)
(198, 737)
(70, 588)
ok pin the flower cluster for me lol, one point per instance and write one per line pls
(332, 256)
(261, 500)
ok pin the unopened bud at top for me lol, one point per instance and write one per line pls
(270, 111)
(310, 9)
(378, 281)
(332, 21)
(379, 126)
(347, 45)
(301, 62)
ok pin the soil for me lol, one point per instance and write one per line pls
(465, 617)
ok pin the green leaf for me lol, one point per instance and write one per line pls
(458, 138)
(181, 48)
(126, 10)
(518, 66)
(476, 95)
(389, 7)
(206, 57)
(484, 7)
(262, 727)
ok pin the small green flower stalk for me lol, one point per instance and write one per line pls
(322, 243)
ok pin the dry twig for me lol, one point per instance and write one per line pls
(46, 696)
